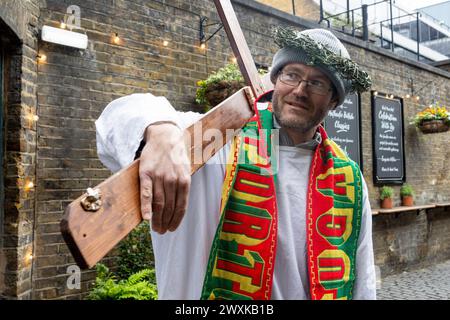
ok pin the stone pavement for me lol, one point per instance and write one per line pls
(432, 283)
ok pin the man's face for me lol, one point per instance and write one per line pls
(304, 106)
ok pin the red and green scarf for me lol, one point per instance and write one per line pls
(242, 256)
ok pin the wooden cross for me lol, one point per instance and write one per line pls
(95, 222)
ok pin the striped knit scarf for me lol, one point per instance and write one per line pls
(242, 256)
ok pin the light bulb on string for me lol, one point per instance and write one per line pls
(29, 186)
(32, 117)
(116, 38)
(42, 58)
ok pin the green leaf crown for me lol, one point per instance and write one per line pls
(320, 55)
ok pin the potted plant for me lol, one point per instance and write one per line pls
(386, 194)
(407, 193)
(433, 119)
(220, 85)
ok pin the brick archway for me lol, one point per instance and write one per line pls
(17, 165)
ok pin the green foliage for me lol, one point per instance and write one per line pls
(138, 286)
(406, 190)
(229, 73)
(135, 275)
(386, 192)
(135, 252)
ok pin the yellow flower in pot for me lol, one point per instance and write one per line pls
(407, 194)
(432, 119)
(386, 194)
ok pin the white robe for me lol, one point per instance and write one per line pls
(181, 256)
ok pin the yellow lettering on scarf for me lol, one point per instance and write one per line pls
(334, 268)
(332, 296)
(342, 178)
(249, 229)
(253, 156)
(246, 269)
(335, 225)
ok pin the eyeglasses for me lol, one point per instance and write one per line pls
(313, 86)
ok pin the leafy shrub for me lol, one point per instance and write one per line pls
(138, 286)
(386, 192)
(406, 190)
(134, 278)
(228, 79)
(135, 252)
(228, 73)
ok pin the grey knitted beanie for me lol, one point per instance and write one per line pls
(323, 37)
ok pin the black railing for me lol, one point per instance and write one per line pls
(350, 20)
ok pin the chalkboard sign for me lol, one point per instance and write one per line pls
(388, 140)
(343, 126)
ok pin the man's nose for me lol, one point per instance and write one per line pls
(301, 89)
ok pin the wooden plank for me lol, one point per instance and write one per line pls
(239, 46)
(91, 235)
(404, 208)
(443, 204)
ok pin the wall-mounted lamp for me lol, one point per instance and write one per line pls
(64, 37)
(165, 43)
(203, 26)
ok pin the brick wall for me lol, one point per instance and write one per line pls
(73, 86)
(19, 30)
(411, 240)
(307, 9)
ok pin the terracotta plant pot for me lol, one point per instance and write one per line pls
(386, 203)
(407, 201)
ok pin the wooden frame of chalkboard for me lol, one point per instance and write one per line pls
(331, 131)
(388, 137)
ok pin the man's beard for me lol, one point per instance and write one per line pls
(300, 124)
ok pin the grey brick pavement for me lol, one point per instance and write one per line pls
(432, 283)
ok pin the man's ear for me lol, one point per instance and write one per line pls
(333, 103)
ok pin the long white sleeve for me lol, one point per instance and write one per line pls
(121, 126)
(365, 283)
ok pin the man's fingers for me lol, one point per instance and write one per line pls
(170, 188)
(146, 197)
(181, 202)
(158, 204)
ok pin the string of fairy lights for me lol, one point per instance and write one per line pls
(413, 96)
